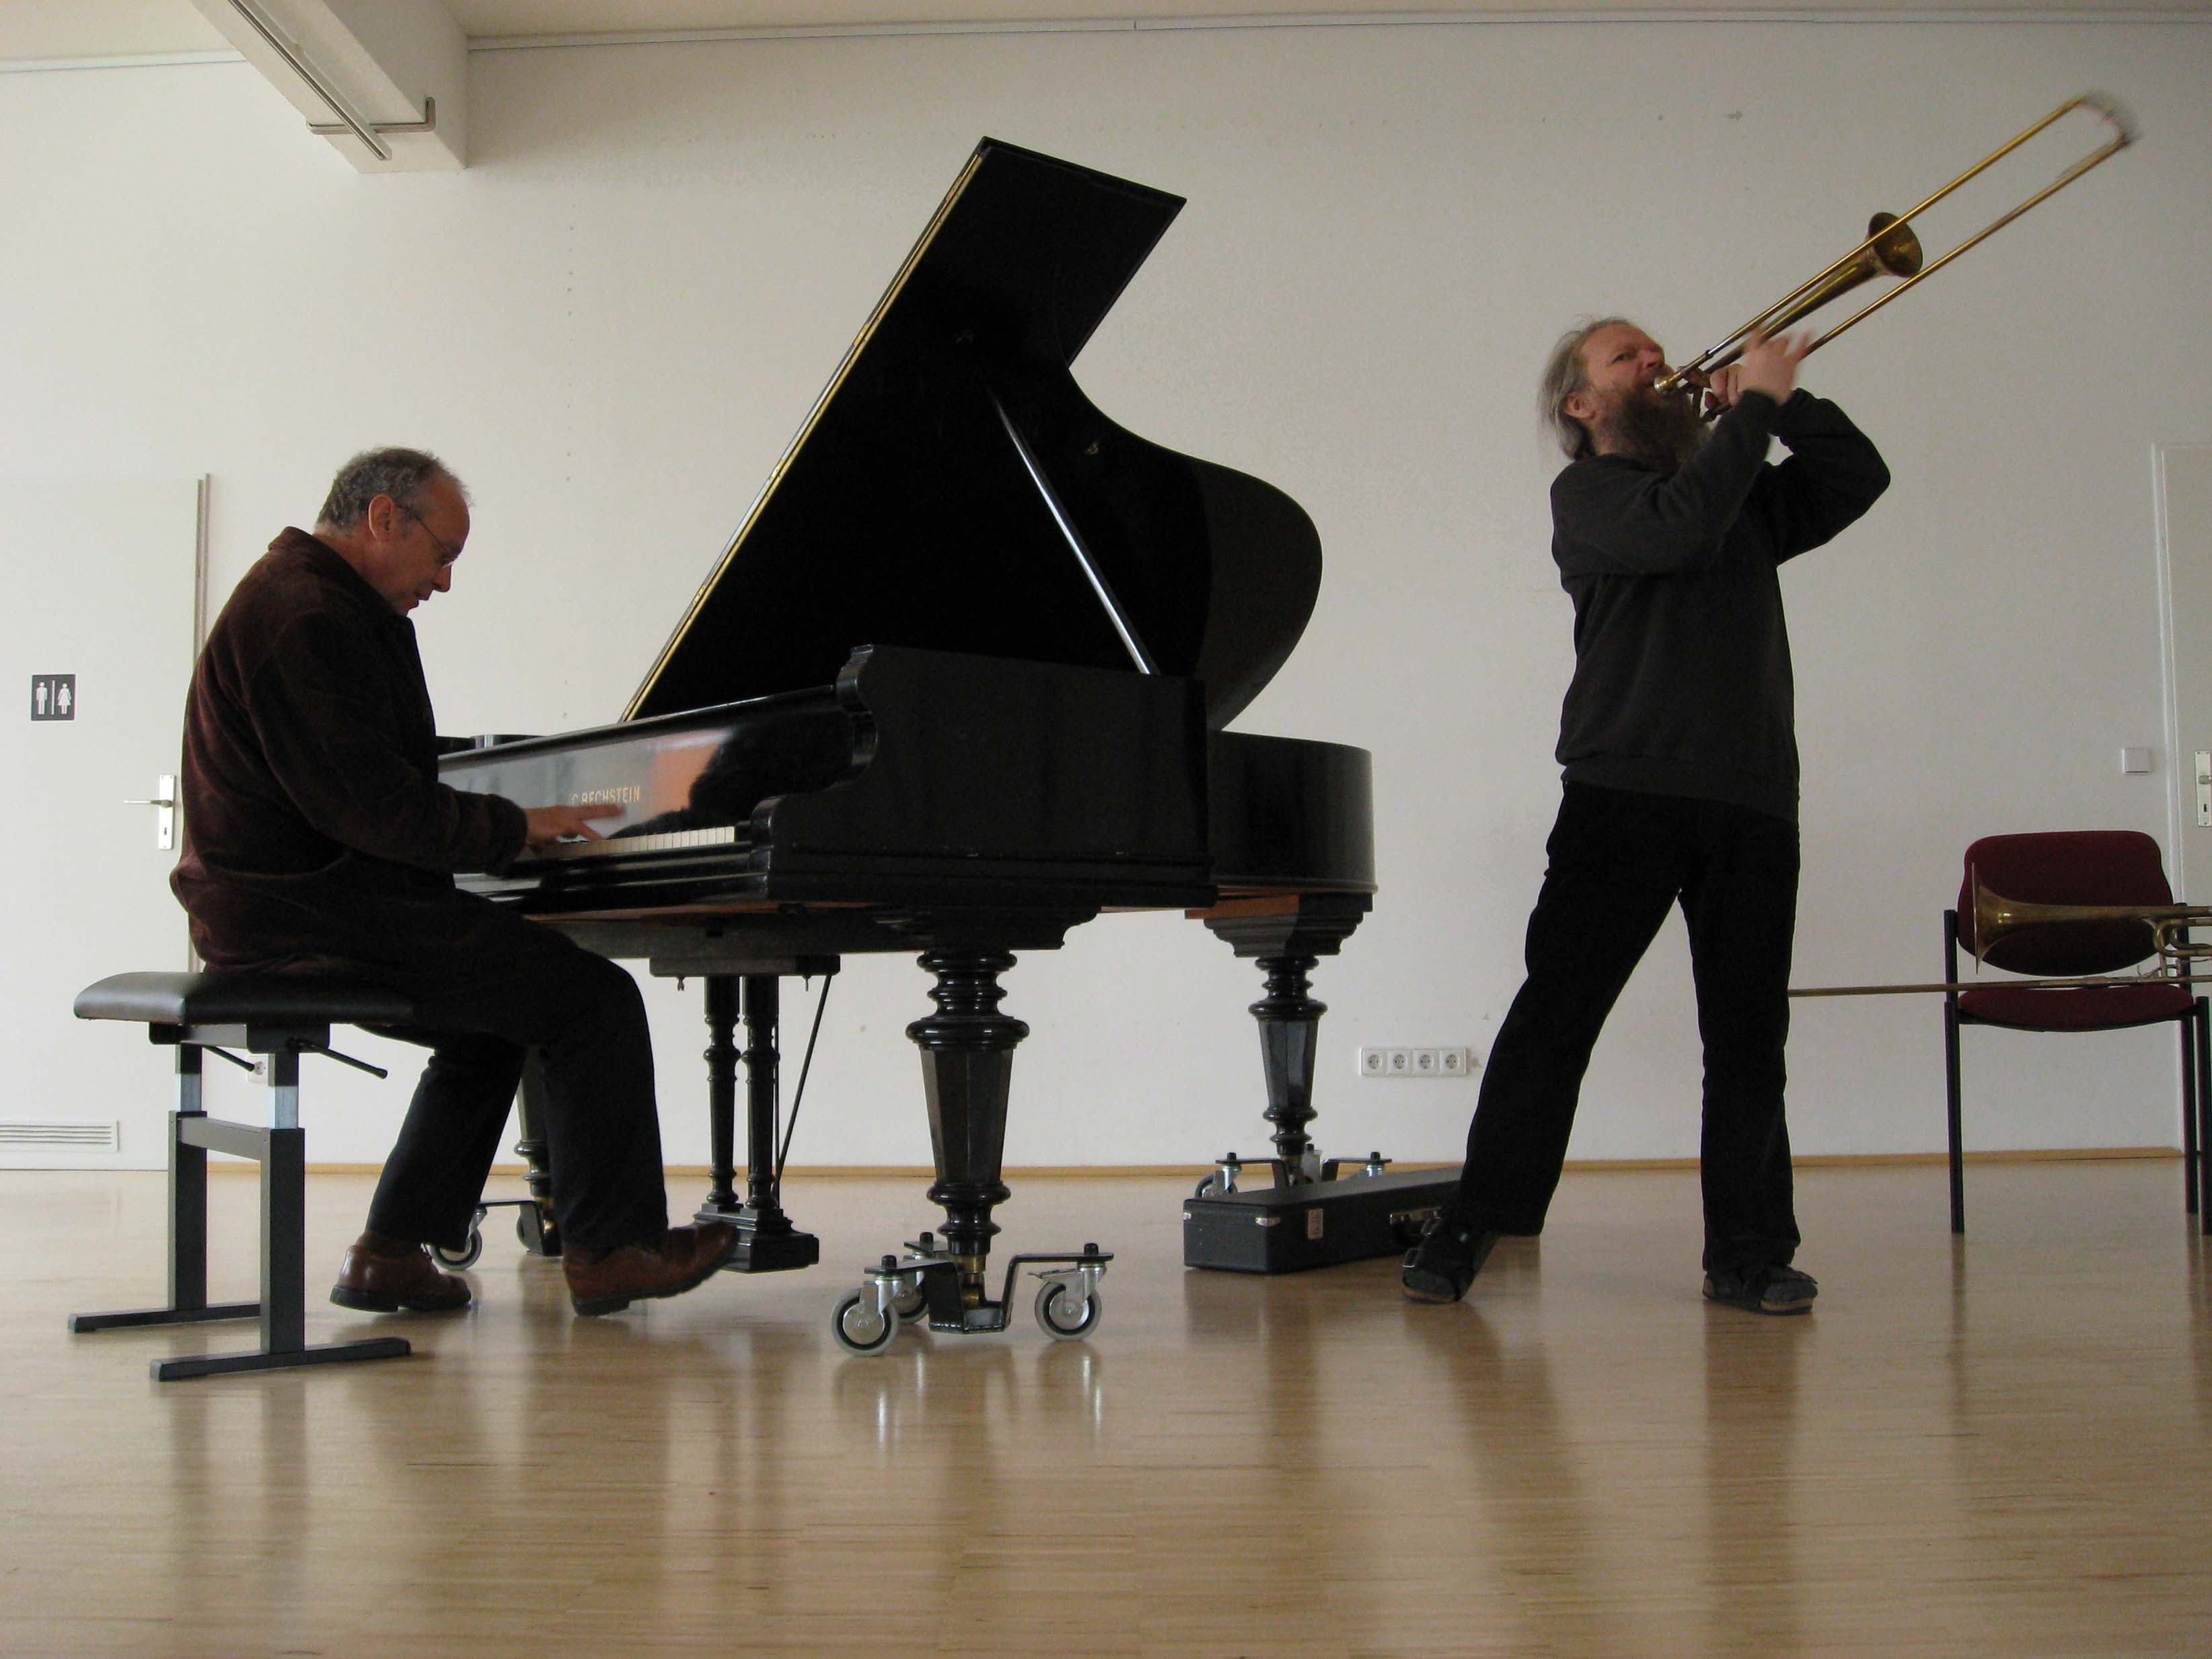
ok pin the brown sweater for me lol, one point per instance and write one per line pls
(316, 831)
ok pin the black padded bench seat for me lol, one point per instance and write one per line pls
(279, 1018)
(290, 1001)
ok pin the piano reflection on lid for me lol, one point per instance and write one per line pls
(958, 685)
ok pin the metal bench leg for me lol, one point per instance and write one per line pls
(283, 1151)
(188, 1303)
(282, 1310)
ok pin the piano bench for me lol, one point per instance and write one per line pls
(279, 1018)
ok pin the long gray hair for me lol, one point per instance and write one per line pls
(402, 474)
(1565, 374)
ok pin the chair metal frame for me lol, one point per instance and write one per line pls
(2196, 1085)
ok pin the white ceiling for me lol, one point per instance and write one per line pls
(94, 28)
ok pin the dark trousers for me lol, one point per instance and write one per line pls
(492, 985)
(1618, 860)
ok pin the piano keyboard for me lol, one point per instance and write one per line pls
(721, 835)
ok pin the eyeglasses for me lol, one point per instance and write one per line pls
(447, 551)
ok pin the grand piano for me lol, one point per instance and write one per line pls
(960, 683)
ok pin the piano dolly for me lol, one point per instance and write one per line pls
(928, 1284)
(533, 1226)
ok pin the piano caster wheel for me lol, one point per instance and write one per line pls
(1410, 1231)
(1061, 1319)
(1223, 1180)
(908, 1303)
(467, 1255)
(861, 1325)
(536, 1233)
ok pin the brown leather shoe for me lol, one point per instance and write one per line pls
(681, 1259)
(383, 1275)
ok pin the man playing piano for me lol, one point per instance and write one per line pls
(1680, 759)
(318, 839)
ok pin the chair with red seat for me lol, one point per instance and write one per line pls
(2078, 867)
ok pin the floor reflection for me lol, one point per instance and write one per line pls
(1754, 1579)
(1522, 1489)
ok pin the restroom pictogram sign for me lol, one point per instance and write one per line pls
(53, 696)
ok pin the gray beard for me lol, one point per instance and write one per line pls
(1661, 430)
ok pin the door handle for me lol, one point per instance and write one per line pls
(165, 820)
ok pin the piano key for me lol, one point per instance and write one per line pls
(722, 835)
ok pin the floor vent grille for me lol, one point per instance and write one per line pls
(91, 1137)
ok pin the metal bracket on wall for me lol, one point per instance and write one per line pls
(339, 129)
(347, 123)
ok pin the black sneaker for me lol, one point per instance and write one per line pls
(1444, 1263)
(1764, 1287)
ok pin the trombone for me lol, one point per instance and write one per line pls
(1891, 248)
(1996, 917)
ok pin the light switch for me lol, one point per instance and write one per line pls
(2134, 760)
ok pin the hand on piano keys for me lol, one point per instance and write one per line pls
(549, 824)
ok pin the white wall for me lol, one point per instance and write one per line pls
(614, 319)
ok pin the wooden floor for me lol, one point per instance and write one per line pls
(1998, 1448)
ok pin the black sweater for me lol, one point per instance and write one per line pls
(1682, 683)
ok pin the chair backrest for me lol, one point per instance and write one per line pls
(2068, 866)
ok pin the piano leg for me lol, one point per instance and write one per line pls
(1290, 1030)
(722, 1057)
(763, 1070)
(1310, 1217)
(1287, 935)
(967, 1069)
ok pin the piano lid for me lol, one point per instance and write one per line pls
(953, 488)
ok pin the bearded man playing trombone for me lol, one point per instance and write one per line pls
(1680, 784)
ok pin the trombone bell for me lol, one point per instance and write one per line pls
(1997, 918)
(1890, 250)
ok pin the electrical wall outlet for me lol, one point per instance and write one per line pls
(1392, 1062)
